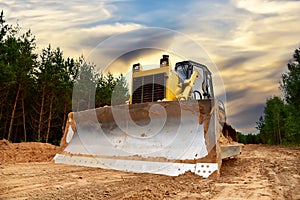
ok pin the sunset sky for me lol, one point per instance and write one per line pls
(250, 42)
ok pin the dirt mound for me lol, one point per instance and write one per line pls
(26, 152)
(4, 145)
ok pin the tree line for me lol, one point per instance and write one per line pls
(280, 122)
(36, 90)
(248, 138)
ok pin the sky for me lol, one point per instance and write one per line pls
(248, 42)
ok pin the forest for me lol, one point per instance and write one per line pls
(36, 90)
(280, 122)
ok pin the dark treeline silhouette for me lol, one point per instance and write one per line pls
(249, 138)
(36, 90)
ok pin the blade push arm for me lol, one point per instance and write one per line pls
(188, 86)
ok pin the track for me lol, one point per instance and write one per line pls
(261, 172)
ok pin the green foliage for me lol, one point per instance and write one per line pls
(260, 126)
(111, 90)
(17, 59)
(274, 121)
(292, 126)
(249, 138)
(241, 138)
(281, 121)
(290, 84)
(84, 86)
(120, 93)
(104, 91)
(36, 91)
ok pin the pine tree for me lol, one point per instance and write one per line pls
(290, 86)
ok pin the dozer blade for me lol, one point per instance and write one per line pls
(159, 137)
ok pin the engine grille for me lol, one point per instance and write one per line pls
(149, 88)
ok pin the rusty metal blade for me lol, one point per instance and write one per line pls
(162, 137)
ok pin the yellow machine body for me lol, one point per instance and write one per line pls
(172, 124)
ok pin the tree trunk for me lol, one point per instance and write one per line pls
(49, 118)
(13, 113)
(65, 117)
(24, 121)
(41, 112)
(3, 103)
(78, 103)
(5, 126)
(89, 101)
(279, 133)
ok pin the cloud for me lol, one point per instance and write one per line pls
(267, 25)
(239, 59)
(58, 15)
(248, 116)
(63, 23)
(147, 57)
(267, 6)
(121, 44)
(86, 39)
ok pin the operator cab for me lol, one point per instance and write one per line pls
(185, 70)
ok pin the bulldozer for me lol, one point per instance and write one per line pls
(172, 124)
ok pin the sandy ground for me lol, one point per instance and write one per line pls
(261, 172)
